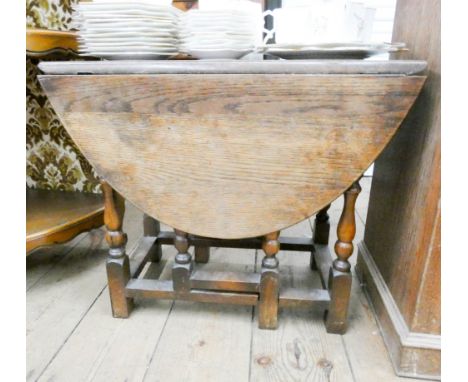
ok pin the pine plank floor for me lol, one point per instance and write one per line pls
(71, 335)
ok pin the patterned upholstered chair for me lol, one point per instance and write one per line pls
(63, 191)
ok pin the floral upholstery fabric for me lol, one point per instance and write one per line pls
(53, 160)
(49, 14)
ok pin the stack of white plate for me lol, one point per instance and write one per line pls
(220, 33)
(125, 29)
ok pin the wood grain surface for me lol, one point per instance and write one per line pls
(56, 216)
(231, 156)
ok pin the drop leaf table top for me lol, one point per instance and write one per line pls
(232, 149)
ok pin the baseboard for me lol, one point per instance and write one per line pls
(415, 355)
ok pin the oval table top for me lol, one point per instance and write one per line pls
(232, 149)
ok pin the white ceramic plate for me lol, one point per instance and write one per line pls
(99, 46)
(217, 28)
(116, 7)
(137, 28)
(129, 34)
(130, 56)
(136, 37)
(95, 42)
(141, 39)
(218, 35)
(117, 22)
(129, 13)
(217, 38)
(219, 19)
(106, 16)
(128, 31)
(217, 53)
(219, 46)
(207, 44)
(228, 24)
(129, 49)
(217, 12)
(123, 20)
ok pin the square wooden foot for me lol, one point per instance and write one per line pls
(202, 254)
(268, 299)
(181, 277)
(118, 275)
(339, 285)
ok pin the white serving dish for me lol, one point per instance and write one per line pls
(353, 50)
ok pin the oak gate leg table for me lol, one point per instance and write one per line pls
(230, 153)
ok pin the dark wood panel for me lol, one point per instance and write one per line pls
(405, 194)
(402, 236)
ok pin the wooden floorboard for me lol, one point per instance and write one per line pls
(104, 348)
(212, 342)
(300, 349)
(43, 259)
(58, 301)
(72, 336)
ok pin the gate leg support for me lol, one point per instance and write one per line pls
(340, 273)
(269, 284)
(183, 265)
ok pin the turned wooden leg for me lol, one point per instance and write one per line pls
(151, 227)
(183, 263)
(118, 266)
(269, 284)
(202, 254)
(340, 273)
(321, 232)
